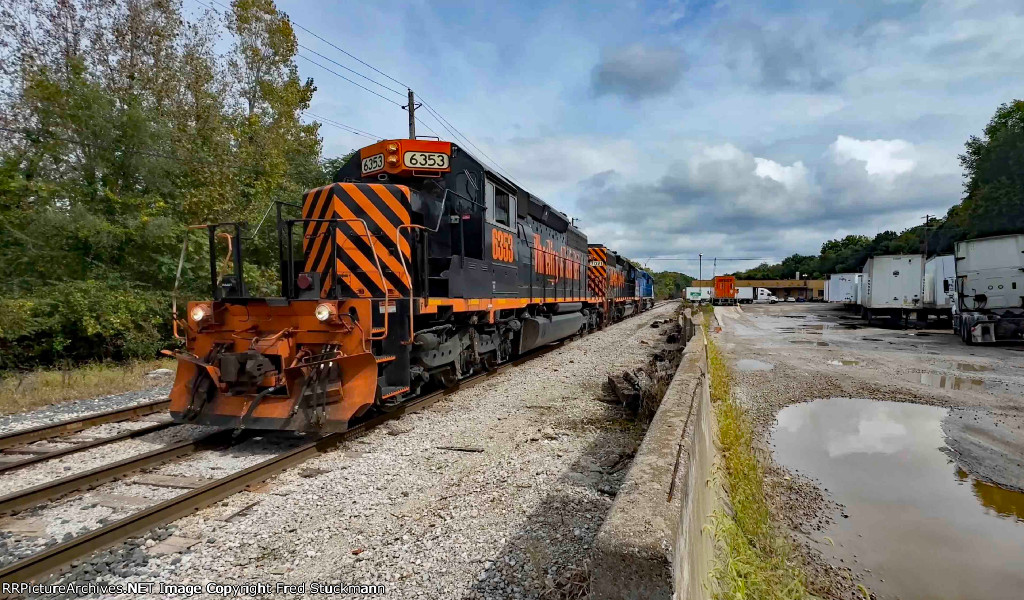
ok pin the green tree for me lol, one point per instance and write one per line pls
(122, 125)
(994, 176)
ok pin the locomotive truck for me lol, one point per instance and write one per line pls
(417, 267)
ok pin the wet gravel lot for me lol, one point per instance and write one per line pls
(511, 513)
(821, 351)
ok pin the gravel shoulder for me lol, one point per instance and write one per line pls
(513, 516)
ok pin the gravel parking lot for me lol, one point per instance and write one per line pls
(495, 492)
(786, 354)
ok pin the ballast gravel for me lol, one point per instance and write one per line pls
(496, 491)
(62, 411)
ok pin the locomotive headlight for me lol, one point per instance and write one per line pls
(199, 312)
(392, 148)
(392, 160)
(324, 312)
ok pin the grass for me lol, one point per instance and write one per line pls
(753, 560)
(32, 389)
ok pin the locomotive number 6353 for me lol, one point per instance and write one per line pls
(426, 160)
(502, 244)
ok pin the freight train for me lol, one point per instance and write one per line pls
(417, 267)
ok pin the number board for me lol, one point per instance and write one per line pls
(373, 163)
(426, 160)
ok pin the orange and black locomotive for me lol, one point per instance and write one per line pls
(417, 267)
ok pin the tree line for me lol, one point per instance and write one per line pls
(992, 204)
(122, 122)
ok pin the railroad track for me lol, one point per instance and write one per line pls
(15, 444)
(54, 558)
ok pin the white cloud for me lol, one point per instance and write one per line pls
(886, 158)
(793, 177)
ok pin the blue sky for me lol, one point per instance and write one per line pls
(735, 129)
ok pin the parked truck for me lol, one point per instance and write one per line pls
(990, 289)
(698, 295)
(755, 295)
(725, 290)
(892, 286)
(842, 287)
(939, 286)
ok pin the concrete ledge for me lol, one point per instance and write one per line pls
(634, 554)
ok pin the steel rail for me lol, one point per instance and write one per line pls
(28, 497)
(34, 434)
(125, 435)
(56, 557)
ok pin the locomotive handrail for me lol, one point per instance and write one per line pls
(333, 227)
(237, 251)
(401, 256)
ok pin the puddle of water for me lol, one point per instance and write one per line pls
(923, 530)
(808, 342)
(947, 382)
(822, 343)
(844, 363)
(869, 339)
(749, 364)
(970, 367)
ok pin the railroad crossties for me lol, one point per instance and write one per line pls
(496, 491)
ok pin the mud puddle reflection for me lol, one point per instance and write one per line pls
(918, 527)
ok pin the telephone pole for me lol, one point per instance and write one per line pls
(411, 107)
(700, 265)
(927, 221)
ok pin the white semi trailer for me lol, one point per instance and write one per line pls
(698, 295)
(990, 289)
(940, 286)
(892, 286)
(842, 287)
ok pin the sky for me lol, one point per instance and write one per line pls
(677, 128)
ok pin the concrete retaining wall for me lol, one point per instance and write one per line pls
(651, 544)
(695, 548)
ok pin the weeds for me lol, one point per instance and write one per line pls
(753, 561)
(24, 391)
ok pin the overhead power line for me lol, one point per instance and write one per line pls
(445, 124)
(334, 62)
(339, 125)
(457, 134)
(381, 96)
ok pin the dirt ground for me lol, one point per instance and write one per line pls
(788, 353)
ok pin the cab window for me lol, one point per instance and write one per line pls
(501, 206)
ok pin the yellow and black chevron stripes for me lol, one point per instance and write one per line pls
(365, 219)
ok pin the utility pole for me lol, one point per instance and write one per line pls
(927, 220)
(700, 270)
(411, 107)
